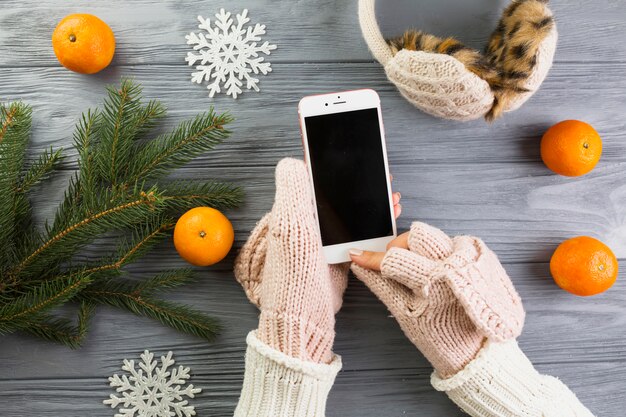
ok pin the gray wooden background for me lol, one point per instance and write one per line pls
(463, 177)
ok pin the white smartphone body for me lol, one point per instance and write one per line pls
(345, 152)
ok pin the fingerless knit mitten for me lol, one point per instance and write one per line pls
(290, 366)
(448, 296)
(455, 302)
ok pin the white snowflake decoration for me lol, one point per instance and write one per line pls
(228, 53)
(151, 390)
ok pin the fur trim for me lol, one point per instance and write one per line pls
(510, 57)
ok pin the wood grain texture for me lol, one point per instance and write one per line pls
(152, 32)
(469, 178)
(266, 127)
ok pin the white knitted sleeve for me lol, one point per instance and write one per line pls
(277, 385)
(502, 382)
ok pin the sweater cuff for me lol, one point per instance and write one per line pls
(278, 385)
(502, 382)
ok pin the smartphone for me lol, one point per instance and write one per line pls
(344, 149)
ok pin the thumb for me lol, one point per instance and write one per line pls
(367, 259)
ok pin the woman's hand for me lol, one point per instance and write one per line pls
(448, 295)
(284, 273)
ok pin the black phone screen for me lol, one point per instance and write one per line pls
(349, 177)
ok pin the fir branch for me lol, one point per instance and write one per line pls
(67, 240)
(165, 280)
(183, 195)
(189, 140)
(131, 297)
(61, 330)
(144, 237)
(148, 116)
(15, 123)
(108, 193)
(16, 117)
(39, 170)
(118, 125)
(19, 313)
(85, 140)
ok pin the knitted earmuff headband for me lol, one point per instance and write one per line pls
(447, 79)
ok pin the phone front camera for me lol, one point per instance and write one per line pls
(326, 104)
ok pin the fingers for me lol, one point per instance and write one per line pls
(397, 207)
(397, 210)
(429, 241)
(402, 241)
(367, 259)
(372, 260)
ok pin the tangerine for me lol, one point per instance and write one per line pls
(584, 266)
(203, 236)
(83, 43)
(571, 148)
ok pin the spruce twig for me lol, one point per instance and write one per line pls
(37, 172)
(114, 190)
(24, 309)
(183, 195)
(144, 238)
(139, 298)
(15, 122)
(61, 330)
(65, 242)
(189, 140)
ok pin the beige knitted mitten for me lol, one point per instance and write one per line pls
(448, 296)
(282, 270)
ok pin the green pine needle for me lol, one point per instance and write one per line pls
(189, 140)
(15, 122)
(61, 330)
(85, 142)
(118, 125)
(38, 171)
(22, 310)
(139, 299)
(114, 193)
(143, 238)
(166, 280)
(64, 240)
(184, 195)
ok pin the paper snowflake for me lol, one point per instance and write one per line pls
(151, 390)
(228, 53)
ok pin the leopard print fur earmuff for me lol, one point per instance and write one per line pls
(447, 79)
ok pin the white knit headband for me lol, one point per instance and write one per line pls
(371, 32)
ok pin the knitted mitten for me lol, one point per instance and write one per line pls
(283, 272)
(448, 296)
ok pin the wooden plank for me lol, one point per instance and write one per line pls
(266, 127)
(149, 32)
(472, 178)
(523, 215)
(579, 340)
(370, 394)
(560, 330)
